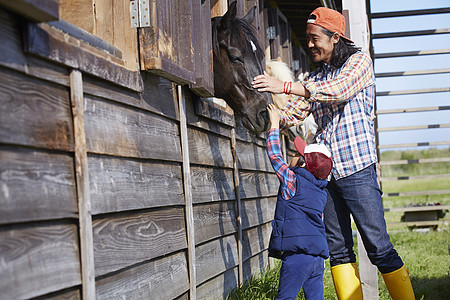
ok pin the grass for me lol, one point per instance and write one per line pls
(425, 253)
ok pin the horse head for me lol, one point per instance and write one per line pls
(238, 58)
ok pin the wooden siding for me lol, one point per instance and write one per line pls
(134, 168)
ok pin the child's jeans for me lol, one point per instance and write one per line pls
(301, 270)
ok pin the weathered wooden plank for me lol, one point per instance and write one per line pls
(211, 184)
(82, 184)
(36, 185)
(253, 157)
(256, 264)
(120, 184)
(209, 149)
(214, 220)
(123, 131)
(71, 294)
(187, 185)
(80, 13)
(123, 240)
(215, 257)
(255, 212)
(164, 278)
(219, 286)
(255, 240)
(36, 10)
(257, 184)
(38, 259)
(34, 112)
(51, 43)
(157, 96)
(211, 119)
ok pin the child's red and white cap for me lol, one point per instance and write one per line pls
(317, 158)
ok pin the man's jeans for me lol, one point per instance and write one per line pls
(359, 195)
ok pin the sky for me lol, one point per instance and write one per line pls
(425, 62)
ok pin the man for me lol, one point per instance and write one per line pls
(340, 95)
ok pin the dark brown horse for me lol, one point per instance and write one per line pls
(237, 60)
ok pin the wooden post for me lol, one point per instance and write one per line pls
(238, 205)
(187, 194)
(83, 191)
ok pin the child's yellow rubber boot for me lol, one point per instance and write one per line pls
(346, 282)
(399, 284)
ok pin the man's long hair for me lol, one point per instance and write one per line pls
(343, 49)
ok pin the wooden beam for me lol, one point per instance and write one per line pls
(83, 188)
(412, 53)
(410, 73)
(420, 144)
(409, 92)
(414, 109)
(410, 33)
(238, 206)
(416, 193)
(418, 12)
(415, 161)
(432, 126)
(187, 194)
(36, 10)
(415, 177)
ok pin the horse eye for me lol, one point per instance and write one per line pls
(236, 59)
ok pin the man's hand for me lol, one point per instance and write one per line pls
(266, 83)
(274, 116)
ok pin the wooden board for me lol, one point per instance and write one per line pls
(255, 240)
(256, 212)
(123, 240)
(215, 257)
(36, 10)
(256, 264)
(38, 259)
(120, 184)
(211, 184)
(253, 157)
(34, 113)
(214, 220)
(209, 149)
(124, 131)
(164, 278)
(219, 286)
(257, 184)
(36, 185)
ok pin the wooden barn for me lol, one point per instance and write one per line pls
(121, 176)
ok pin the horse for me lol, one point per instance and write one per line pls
(308, 127)
(237, 59)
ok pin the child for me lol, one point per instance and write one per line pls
(298, 232)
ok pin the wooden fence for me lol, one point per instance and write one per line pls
(132, 190)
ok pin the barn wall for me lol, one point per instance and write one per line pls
(135, 186)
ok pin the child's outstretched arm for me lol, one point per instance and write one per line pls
(274, 116)
(281, 168)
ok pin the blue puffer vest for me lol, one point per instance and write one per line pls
(298, 225)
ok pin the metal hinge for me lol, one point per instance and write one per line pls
(140, 13)
(271, 33)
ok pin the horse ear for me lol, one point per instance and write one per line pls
(228, 17)
(250, 16)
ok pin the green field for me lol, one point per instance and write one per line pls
(425, 252)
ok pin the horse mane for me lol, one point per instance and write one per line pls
(239, 31)
(279, 70)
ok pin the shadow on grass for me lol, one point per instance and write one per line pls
(432, 288)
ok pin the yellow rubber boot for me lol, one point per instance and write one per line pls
(399, 284)
(346, 282)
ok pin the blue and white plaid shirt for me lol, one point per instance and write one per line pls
(342, 102)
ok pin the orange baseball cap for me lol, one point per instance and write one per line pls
(329, 19)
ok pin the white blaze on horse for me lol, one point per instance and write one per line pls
(280, 70)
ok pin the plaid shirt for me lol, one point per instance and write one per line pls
(342, 102)
(286, 176)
